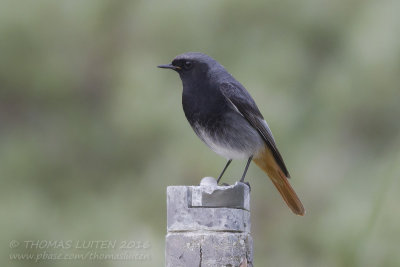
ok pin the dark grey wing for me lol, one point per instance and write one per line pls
(243, 103)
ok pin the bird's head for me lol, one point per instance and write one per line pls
(193, 67)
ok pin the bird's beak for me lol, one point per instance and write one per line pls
(169, 66)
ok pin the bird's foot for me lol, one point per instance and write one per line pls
(248, 184)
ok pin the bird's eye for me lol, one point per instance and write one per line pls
(187, 65)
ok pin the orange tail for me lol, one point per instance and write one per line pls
(265, 160)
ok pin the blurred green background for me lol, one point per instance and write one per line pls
(92, 133)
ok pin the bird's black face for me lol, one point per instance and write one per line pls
(184, 65)
(180, 65)
(193, 67)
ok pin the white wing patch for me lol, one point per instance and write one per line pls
(268, 129)
(234, 106)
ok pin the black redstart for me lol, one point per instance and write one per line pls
(225, 117)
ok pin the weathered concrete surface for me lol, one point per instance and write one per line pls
(208, 249)
(208, 225)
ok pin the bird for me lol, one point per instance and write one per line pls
(226, 118)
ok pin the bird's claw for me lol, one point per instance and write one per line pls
(248, 184)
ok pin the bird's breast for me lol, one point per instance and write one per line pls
(203, 105)
(220, 127)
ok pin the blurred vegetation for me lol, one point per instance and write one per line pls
(92, 133)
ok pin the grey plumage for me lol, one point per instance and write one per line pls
(225, 117)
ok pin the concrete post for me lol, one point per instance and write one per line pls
(208, 225)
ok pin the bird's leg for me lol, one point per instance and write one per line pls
(222, 173)
(245, 170)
